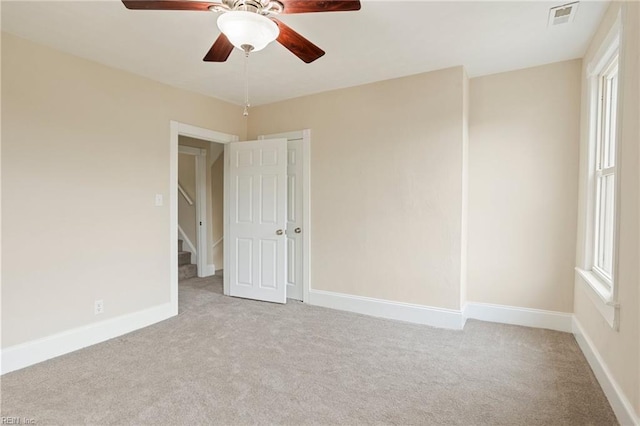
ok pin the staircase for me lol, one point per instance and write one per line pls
(186, 269)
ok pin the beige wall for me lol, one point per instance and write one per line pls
(186, 211)
(523, 183)
(517, 121)
(619, 349)
(386, 179)
(85, 148)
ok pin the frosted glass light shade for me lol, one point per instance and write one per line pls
(248, 28)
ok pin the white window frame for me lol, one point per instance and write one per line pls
(607, 108)
(600, 285)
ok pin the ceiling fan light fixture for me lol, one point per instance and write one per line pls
(248, 31)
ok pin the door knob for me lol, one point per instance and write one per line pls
(279, 232)
(297, 230)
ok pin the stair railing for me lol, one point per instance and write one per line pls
(217, 242)
(184, 194)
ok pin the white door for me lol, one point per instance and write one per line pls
(257, 222)
(297, 214)
(294, 219)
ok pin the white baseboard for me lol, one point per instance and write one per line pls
(29, 353)
(527, 317)
(622, 407)
(419, 314)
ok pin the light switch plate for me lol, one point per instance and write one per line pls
(159, 200)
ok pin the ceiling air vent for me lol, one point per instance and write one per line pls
(562, 14)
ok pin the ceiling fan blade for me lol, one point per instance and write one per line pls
(308, 6)
(220, 50)
(298, 45)
(202, 6)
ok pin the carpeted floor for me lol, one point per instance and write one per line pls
(230, 361)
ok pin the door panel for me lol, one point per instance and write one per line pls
(258, 205)
(269, 266)
(244, 209)
(269, 197)
(245, 264)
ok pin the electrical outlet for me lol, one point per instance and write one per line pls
(98, 307)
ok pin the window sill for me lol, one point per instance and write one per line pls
(600, 295)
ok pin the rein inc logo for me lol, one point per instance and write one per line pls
(16, 421)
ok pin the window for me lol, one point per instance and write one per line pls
(605, 173)
(597, 264)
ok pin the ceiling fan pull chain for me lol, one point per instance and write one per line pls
(246, 84)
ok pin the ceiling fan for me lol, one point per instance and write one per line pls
(250, 25)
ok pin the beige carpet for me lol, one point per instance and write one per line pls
(230, 361)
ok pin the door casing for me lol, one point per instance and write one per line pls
(177, 129)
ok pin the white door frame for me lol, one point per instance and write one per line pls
(201, 205)
(305, 135)
(177, 129)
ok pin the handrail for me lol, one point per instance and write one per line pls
(182, 235)
(217, 242)
(184, 194)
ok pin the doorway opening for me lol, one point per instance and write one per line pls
(201, 153)
(210, 246)
(200, 207)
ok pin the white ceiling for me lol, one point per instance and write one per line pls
(386, 39)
